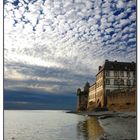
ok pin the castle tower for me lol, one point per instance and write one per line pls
(82, 98)
(78, 98)
(86, 88)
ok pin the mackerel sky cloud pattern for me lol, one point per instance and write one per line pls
(57, 45)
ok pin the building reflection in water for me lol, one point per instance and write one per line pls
(89, 129)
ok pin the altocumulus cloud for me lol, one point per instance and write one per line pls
(56, 46)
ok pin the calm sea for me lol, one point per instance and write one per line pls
(49, 125)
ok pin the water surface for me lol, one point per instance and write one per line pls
(49, 125)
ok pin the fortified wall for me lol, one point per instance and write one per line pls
(122, 100)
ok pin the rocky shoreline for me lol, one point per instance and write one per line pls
(117, 125)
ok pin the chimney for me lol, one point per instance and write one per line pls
(100, 67)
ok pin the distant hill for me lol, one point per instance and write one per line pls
(26, 100)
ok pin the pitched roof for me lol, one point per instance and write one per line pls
(121, 66)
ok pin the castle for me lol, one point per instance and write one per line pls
(114, 88)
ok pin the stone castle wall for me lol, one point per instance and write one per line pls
(122, 100)
(82, 103)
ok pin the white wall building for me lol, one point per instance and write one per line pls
(112, 76)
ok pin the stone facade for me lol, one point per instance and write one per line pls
(122, 100)
(92, 97)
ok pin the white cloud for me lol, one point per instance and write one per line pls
(68, 41)
(120, 4)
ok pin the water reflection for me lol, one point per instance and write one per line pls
(89, 129)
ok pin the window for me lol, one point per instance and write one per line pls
(134, 82)
(115, 73)
(107, 81)
(107, 73)
(128, 74)
(122, 74)
(122, 82)
(134, 74)
(115, 82)
(128, 82)
(107, 91)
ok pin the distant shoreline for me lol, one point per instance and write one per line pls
(41, 109)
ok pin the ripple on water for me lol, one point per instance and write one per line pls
(50, 125)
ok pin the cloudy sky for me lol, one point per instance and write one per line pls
(55, 46)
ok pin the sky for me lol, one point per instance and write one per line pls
(53, 47)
